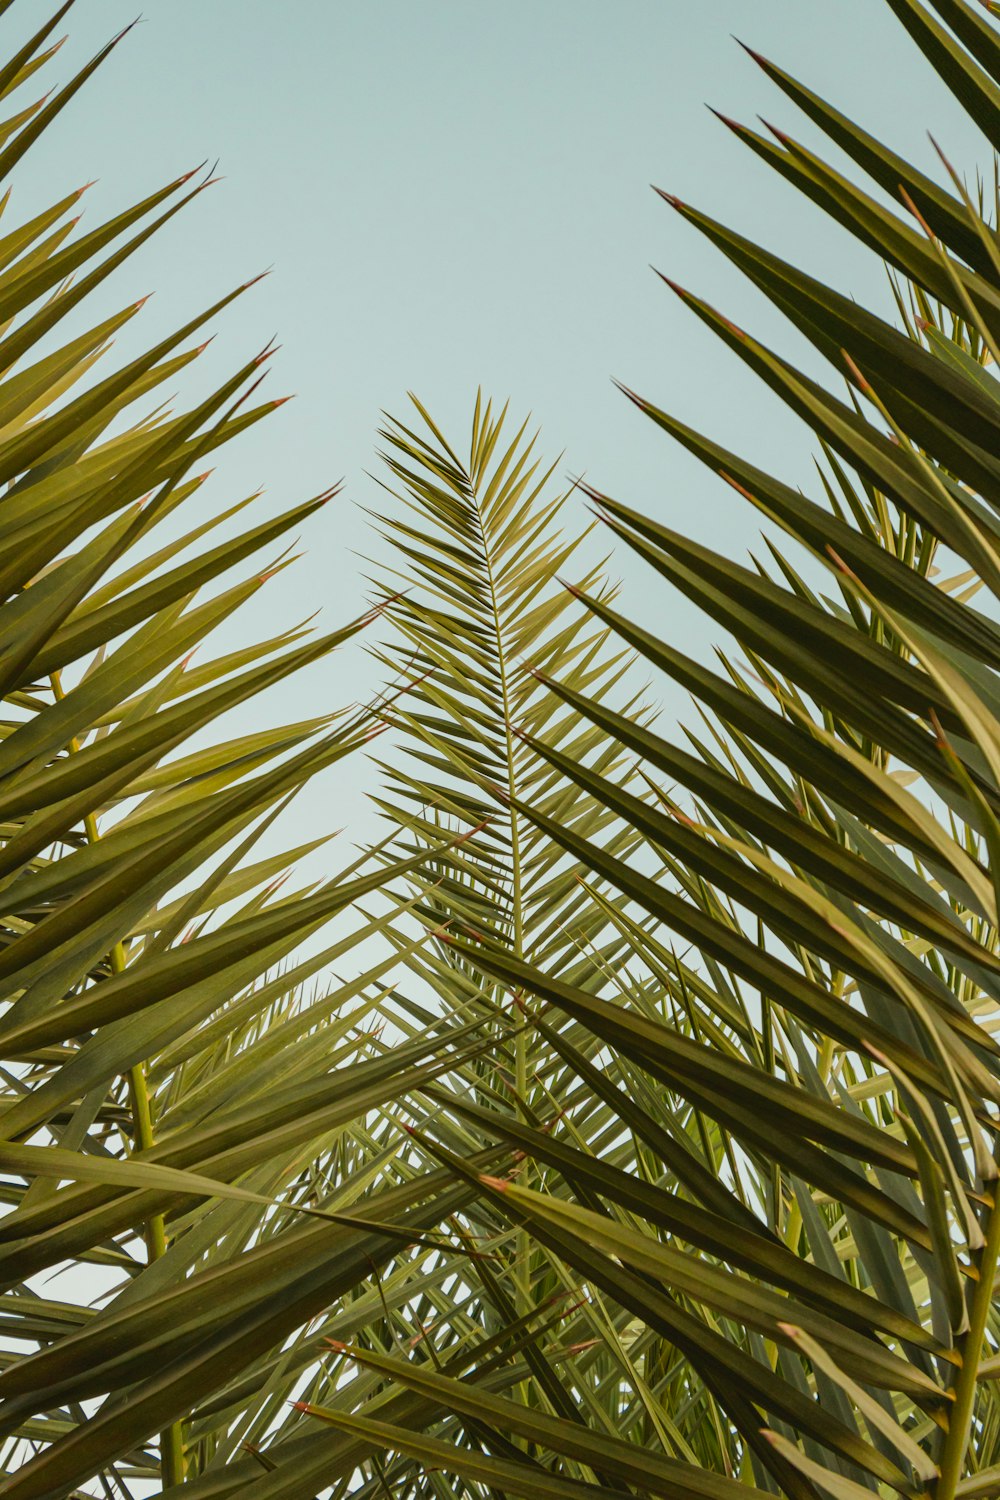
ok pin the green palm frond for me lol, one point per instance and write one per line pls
(767, 1158)
(477, 649)
(480, 616)
(189, 1133)
(645, 1142)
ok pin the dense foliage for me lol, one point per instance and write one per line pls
(665, 1162)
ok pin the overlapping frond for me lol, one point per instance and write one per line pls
(768, 1161)
(180, 1113)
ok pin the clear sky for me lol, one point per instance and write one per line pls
(453, 193)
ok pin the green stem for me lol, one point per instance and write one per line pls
(154, 1230)
(956, 1443)
(522, 1273)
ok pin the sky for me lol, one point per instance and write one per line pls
(452, 194)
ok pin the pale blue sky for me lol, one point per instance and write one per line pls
(454, 193)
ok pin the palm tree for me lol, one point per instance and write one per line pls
(183, 1119)
(757, 1140)
(646, 1144)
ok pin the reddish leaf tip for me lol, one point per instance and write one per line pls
(864, 385)
(632, 395)
(675, 286)
(499, 1184)
(758, 57)
(739, 488)
(727, 120)
(912, 208)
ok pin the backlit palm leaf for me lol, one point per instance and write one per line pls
(179, 1114)
(774, 1151)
